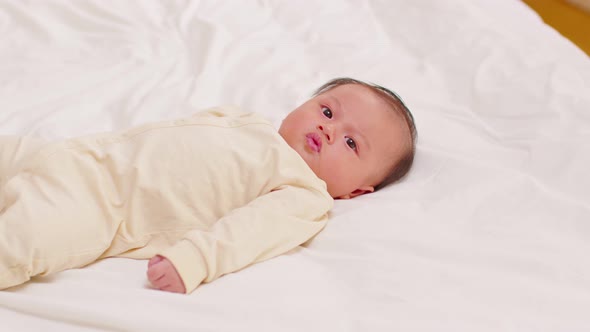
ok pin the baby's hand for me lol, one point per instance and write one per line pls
(163, 276)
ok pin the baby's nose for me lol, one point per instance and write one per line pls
(328, 131)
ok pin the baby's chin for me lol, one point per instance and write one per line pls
(311, 162)
(310, 159)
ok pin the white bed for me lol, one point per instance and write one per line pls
(489, 232)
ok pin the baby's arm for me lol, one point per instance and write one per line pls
(163, 276)
(268, 226)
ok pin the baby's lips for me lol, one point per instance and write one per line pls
(314, 142)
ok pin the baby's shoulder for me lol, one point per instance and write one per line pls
(230, 115)
(223, 111)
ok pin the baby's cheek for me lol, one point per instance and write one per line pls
(337, 177)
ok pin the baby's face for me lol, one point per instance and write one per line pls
(348, 136)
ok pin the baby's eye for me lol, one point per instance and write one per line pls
(351, 143)
(327, 112)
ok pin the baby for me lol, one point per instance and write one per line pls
(202, 196)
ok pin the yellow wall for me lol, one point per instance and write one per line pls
(571, 21)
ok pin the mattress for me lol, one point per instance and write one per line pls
(490, 231)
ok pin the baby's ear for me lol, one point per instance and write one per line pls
(358, 192)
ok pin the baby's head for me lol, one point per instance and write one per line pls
(355, 136)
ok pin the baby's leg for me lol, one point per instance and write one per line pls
(49, 222)
(13, 151)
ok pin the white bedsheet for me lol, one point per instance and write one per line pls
(490, 232)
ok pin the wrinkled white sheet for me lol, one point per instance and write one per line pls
(490, 232)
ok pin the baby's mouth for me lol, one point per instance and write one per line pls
(314, 142)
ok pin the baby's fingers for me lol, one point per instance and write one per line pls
(155, 273)
(155, 260)
(163, 276)
(173, 287)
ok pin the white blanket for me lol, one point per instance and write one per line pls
(489, 232)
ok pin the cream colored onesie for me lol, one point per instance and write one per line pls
(213, 193)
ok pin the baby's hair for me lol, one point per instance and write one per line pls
(402, 166)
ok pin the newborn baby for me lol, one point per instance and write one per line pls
(201, 196)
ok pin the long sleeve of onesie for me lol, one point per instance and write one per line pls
(268, 226)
